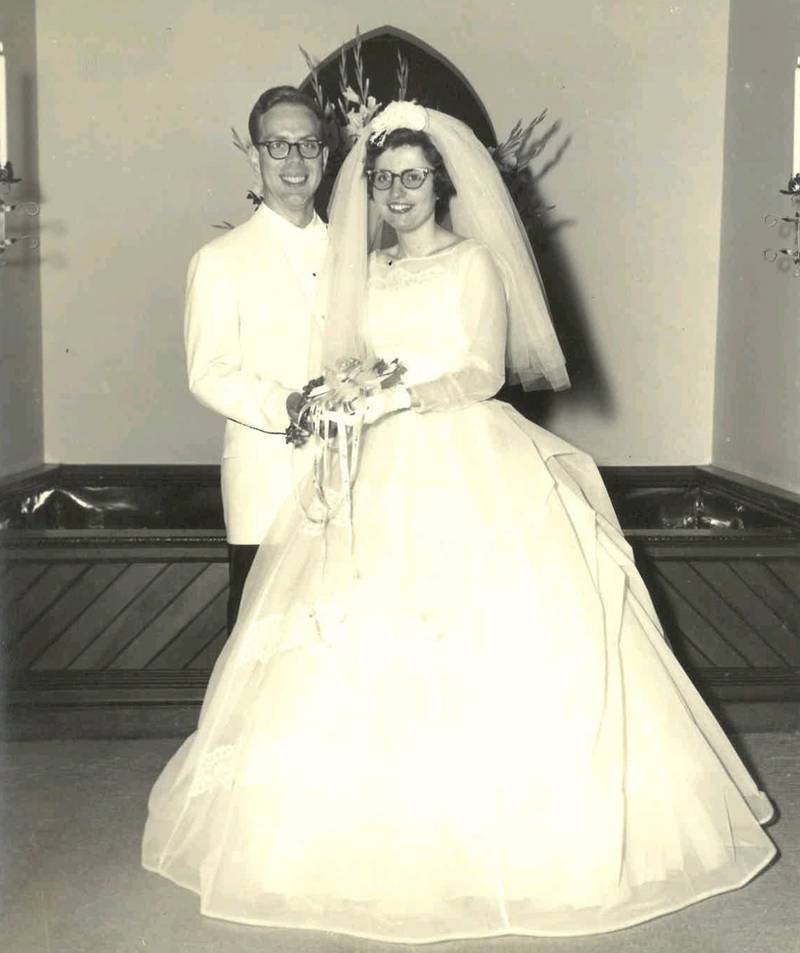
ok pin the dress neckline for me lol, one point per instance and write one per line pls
(391, 259)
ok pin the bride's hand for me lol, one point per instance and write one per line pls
(386, 402)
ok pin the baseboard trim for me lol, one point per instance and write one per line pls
(164, 703)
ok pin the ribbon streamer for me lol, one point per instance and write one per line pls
(334, 419)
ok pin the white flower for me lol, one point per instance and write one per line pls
(357, 119)
(398, 115)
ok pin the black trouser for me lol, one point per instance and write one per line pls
(240, 559)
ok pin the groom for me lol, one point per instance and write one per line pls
(249, 304)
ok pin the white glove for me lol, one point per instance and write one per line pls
(386, 402)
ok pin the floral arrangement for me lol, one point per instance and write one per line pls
(336, 398)
(333, 414)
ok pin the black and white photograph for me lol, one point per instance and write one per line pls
(399, 476)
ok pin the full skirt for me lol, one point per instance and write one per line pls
(454, 714)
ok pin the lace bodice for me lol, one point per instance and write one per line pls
(444, 317)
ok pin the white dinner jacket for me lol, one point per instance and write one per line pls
(249, 305)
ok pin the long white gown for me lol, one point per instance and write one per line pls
(456, 715)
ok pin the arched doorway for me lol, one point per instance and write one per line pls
(432, 81)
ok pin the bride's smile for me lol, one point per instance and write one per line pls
(405, 209)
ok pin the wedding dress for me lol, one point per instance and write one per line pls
(453, 713)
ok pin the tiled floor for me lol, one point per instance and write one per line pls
(70, 881)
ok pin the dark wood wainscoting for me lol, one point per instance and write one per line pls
(114, 631)
(731, 611)
(108, 632)
(86, 603)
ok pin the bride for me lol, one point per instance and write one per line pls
(448, 708)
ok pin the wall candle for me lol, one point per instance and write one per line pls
(3, 123)
(796, 150)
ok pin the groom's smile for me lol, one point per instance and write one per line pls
(291, 182)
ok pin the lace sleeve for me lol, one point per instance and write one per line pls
(482, 303)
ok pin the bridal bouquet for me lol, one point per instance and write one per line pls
(333, 416)
(338, 398)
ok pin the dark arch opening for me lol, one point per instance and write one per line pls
(432, 81)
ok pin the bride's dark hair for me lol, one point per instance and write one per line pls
(443, 187)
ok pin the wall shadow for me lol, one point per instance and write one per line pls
(547, 227)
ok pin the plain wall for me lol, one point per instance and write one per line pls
(21, 417)
(136, 102)
(757, 404)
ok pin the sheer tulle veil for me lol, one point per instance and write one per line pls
(482, 209)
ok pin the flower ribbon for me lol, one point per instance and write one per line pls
(333, 417)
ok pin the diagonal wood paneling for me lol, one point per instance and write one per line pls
(760, 578)
(765, 640)
(181, 649)
(206, 657)
(788, 572)
(666, 601)
(684, 648)
(725, 621)
(37, 598)
(17, 578)
(157, 591)
(90, 625)
(174, 613)
(72, 603)
(692, 621)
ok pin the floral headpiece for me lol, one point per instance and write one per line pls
(398, 115)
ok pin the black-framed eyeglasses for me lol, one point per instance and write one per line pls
(280, 148)
(383, 179)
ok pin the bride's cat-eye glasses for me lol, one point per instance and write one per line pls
(280, 148)
(383, 179)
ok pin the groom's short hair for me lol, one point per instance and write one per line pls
(278, 96)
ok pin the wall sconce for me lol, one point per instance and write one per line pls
(7, 180)
(790, 257)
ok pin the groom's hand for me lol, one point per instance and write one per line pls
(295, 404)
(296, 407)
(298, 431)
